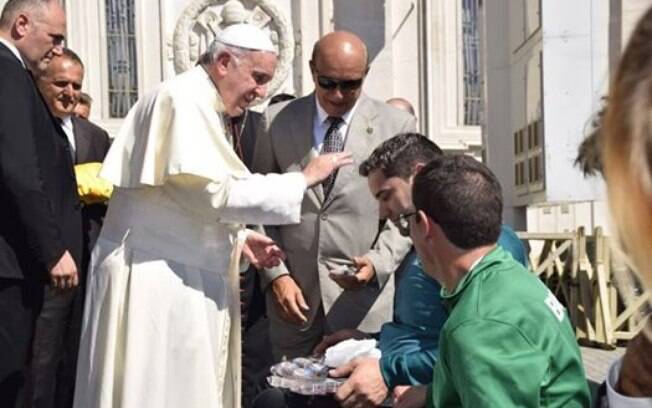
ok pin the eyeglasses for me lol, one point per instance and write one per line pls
(345, 85)
(403, 223)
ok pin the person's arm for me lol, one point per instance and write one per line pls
(21, 172)
(388, 252)
(258, 199)
(493, 364)
(414, 367)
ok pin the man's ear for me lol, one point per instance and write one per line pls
(22, 25)
(222, 63)
(423, 224)
(417, 168)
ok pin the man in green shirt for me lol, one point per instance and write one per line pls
(507, 341)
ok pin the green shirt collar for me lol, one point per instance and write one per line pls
(450, 299)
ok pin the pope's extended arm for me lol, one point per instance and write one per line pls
(253, 199)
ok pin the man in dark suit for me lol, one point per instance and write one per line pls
(56, 338)
(40, 226)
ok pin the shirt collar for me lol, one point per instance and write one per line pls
(67, 121)
(322, 116)
(14, 50)
(476, 268)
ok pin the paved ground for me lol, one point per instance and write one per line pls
(597, 361)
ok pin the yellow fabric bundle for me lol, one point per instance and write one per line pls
(91, 188)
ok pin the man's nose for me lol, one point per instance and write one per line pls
(58, 49)
(261, 91)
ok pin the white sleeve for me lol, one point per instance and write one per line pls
(273, 199)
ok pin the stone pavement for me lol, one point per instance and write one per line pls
(597, 361)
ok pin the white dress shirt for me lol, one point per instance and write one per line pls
(66, 125)
(321, 124)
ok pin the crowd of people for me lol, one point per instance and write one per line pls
(124, 263)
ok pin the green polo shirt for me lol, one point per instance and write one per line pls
(507, 343)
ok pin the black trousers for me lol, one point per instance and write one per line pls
(20, 302)
(50, 378)
(278, 398)
(256, 346)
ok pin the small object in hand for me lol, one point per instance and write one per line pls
(343, 270)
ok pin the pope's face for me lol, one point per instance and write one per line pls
(246, 80)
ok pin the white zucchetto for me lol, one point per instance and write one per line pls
(247, 36)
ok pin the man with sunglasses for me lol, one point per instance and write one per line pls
(56, 338)
(339, 217)
(40, 227)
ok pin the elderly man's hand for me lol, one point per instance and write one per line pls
(365, 386)
(338, 336)
(262, 251)
(365, 272)
(289, 300)
(410, 396)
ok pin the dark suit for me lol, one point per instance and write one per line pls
(58, 327)
(41, 214)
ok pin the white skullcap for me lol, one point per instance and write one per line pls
(246, 36)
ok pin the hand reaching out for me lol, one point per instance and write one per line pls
(323, 165)
(262, 251)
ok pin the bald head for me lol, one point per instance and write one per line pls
(402, 104)
(341, 45)
(339, 65)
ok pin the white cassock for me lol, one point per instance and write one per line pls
(161, 323)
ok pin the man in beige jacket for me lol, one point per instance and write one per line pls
(309, 295)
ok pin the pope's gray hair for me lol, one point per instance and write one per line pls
(217, 48)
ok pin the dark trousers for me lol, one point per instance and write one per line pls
(51, 336)
(20, 302)
(256, 346)
(279, 398)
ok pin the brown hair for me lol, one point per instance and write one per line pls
(627, 148)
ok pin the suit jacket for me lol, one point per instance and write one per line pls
(342, 226)
(41, 212)
(91, 145)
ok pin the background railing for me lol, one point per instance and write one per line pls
(580, 270)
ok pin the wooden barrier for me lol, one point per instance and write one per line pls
(579, 270)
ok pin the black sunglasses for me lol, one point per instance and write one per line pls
(403, 223)
(344, 84)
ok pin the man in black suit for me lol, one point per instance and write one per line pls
(40, 226)
(56, 338)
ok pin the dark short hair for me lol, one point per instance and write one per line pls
(85, 99)
(282, 97)
(396, 157)
(72, 55)
(463, 196)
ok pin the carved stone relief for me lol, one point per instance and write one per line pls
(202, 19)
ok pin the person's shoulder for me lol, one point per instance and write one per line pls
(90, 128)
(289, 108)
(384, 110)
(13, 72)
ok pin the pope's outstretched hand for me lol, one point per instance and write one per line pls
(323, 165)
(261, 251)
